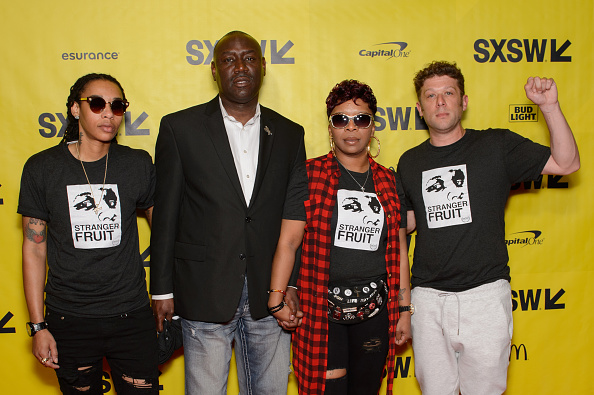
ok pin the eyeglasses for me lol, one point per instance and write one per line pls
(97, 104)
(339, 121)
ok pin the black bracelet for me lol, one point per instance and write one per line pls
(277, 308)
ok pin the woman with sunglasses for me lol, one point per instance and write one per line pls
(344, 211)
(78, 201)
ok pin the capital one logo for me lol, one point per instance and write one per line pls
(515, 50)
(54, 124)
(201, 52)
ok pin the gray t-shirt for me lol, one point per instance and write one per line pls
(94, 264)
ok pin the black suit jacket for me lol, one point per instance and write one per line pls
(205, 237)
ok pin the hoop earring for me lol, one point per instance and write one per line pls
(332, 148)
(369, 148)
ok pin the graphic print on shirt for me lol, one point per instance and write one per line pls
(445, 194)
(360, 220)
(101, 228)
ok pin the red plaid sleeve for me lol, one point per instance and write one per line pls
(310, 340)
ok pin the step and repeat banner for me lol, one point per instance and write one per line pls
(161, 54)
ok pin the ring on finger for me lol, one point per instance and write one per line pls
(44, 360)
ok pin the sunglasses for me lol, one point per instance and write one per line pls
(339, 121)
(97, 104)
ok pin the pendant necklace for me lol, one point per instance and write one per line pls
(95, 208)
(366, 178)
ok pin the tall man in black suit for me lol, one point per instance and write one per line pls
(222, 173)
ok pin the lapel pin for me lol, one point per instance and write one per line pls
(267, 130)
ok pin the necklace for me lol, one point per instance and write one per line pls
(366, 178)
(95, 208)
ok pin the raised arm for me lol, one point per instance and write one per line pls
(34, 257)
(565, 157)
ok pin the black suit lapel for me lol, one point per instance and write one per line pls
(215, 128)
(267, 135)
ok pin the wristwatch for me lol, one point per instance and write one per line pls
(410, 308)
(32, 328)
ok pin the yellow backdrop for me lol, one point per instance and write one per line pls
(160, 52)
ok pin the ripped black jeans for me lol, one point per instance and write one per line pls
(128, 342)
(361, 349)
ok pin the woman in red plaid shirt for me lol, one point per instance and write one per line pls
(343, 209)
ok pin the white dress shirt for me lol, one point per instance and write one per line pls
(245, 147)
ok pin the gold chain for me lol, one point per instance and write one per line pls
(96, 209)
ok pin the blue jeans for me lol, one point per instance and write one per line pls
(262, 353)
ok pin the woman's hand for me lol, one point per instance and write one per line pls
(403, 332)
(45, 349)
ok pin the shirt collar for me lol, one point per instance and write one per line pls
(231, 118)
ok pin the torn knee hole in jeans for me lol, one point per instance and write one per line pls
(85, 371)
(372, 345)
(138, 383)
(335, 373)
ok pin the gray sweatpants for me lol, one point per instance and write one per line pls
(462, 340)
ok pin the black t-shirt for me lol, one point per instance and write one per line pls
(362, 234)
(458, 193)
(94, 263)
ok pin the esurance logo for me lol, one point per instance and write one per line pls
(200, 52)
(389, 50)
(90, 55)
(526, 238)
(54, 124)
(515, 50)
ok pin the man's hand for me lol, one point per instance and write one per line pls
(542, 92)
(45, 349)
(292, 301)
(403, 332)
(162, 310)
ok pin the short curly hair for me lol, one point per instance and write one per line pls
(438, 69)
(350, 90)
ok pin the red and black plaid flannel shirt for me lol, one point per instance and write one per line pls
(310, 340)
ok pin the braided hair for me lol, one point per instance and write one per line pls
(72, 132)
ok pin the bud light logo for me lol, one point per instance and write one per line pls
(523, 113)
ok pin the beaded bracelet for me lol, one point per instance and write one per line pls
(277, 308)
(278, 290)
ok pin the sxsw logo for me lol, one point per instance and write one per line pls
(144, 257)
(402, 367)
(3, 328)
(54, 125)
(518, 351)
(201, 52)
(530, 299)
(389, 50)
(515, 50)
(553, 182)
(399, 118)
(523, 113)
(526, 238)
